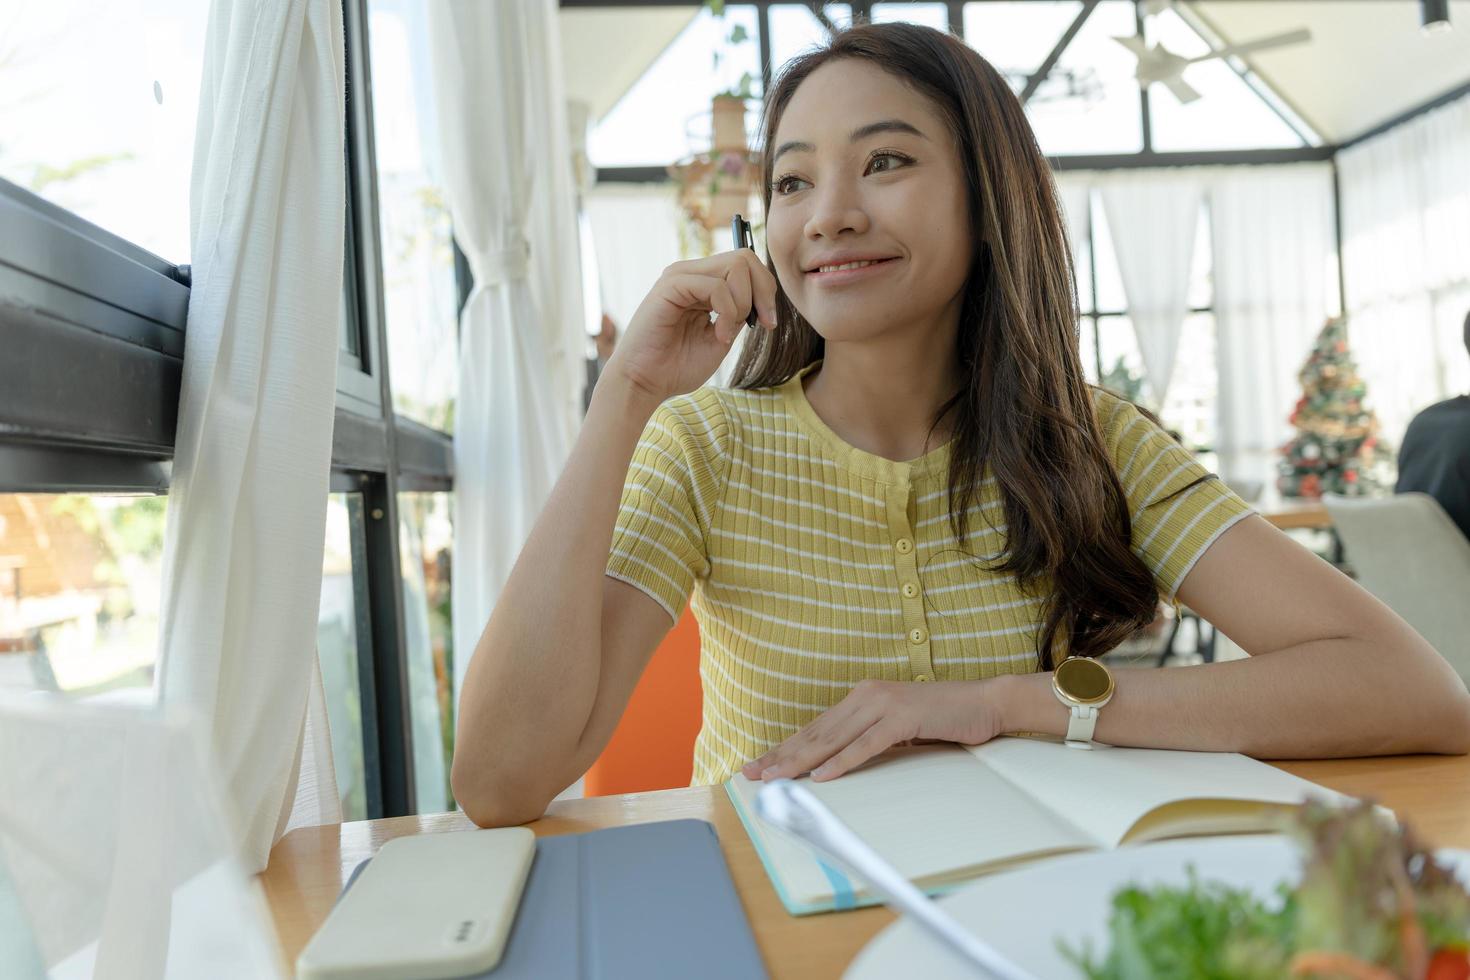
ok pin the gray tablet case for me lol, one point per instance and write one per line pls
(650, 900)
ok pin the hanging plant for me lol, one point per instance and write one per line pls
(744, 88)
(718, 181)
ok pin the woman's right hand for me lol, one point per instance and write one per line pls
(670, 346)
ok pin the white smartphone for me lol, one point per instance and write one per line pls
(427, 907)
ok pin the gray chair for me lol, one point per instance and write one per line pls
(1407, 552)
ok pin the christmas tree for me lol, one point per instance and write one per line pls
(1337, 449)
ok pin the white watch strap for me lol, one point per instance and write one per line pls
(1080, 725)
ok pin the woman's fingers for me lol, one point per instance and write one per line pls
(738, 278)
(763, 287)
(749, 280)
(820, 741)
(759, 283)
(879, 737)
(688, 291)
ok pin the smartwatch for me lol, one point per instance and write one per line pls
(1083, 685)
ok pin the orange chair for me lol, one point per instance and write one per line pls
(653, 745)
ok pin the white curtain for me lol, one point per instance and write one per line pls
(1075, 191)
(635, 230)
(317, 798)
(1406, 256)
(556, 265)
(507, 167)
(116, 857)
(1153, 216)
(247, 505)
(1273, 247)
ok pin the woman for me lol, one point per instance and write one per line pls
(911, 507)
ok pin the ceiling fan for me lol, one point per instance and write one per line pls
(1158, 64)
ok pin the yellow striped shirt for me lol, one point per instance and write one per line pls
(813, 564)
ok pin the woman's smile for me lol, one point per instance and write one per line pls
(850, 272)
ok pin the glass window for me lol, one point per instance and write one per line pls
(336, 646)
(80, 585)
(1016, 35)
(1122, 362)
(1087, 348)
(347, 338)
(928, 14)
(1082, 265)
(1090, 103)
(665, 116)
(349, 315)
(1189, 404)
(1110, 350)
(99, 102)
(1228, 114)
(795, 29)
(425, 541)
(420, 295)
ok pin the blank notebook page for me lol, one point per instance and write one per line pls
(927, 810)
(1106, 790)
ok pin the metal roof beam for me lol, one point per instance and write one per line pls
(1458, 92)
(1040, 75)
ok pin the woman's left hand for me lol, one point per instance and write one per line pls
(875, 716)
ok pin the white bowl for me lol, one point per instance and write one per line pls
(1023, 913)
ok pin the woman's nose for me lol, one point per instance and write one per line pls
(836, 210)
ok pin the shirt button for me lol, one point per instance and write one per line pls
(917, 636)
(923, 678)
(904, 546)
(910, 589)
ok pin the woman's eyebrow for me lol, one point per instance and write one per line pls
(882, 126)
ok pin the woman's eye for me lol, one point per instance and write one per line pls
(876, 164)
(894, 158)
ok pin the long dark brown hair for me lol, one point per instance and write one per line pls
(1025, 412)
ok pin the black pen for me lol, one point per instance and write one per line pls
(740, 234)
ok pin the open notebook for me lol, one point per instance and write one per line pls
(944, 814)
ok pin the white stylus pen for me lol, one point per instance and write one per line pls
(794, 809)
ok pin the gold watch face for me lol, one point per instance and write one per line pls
(1082, 680)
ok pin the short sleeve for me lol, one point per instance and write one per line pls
(1172, 526)
(669, 499)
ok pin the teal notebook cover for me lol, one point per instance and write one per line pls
(844, 891)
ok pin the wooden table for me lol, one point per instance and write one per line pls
(1290, 517)
(309, 866)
